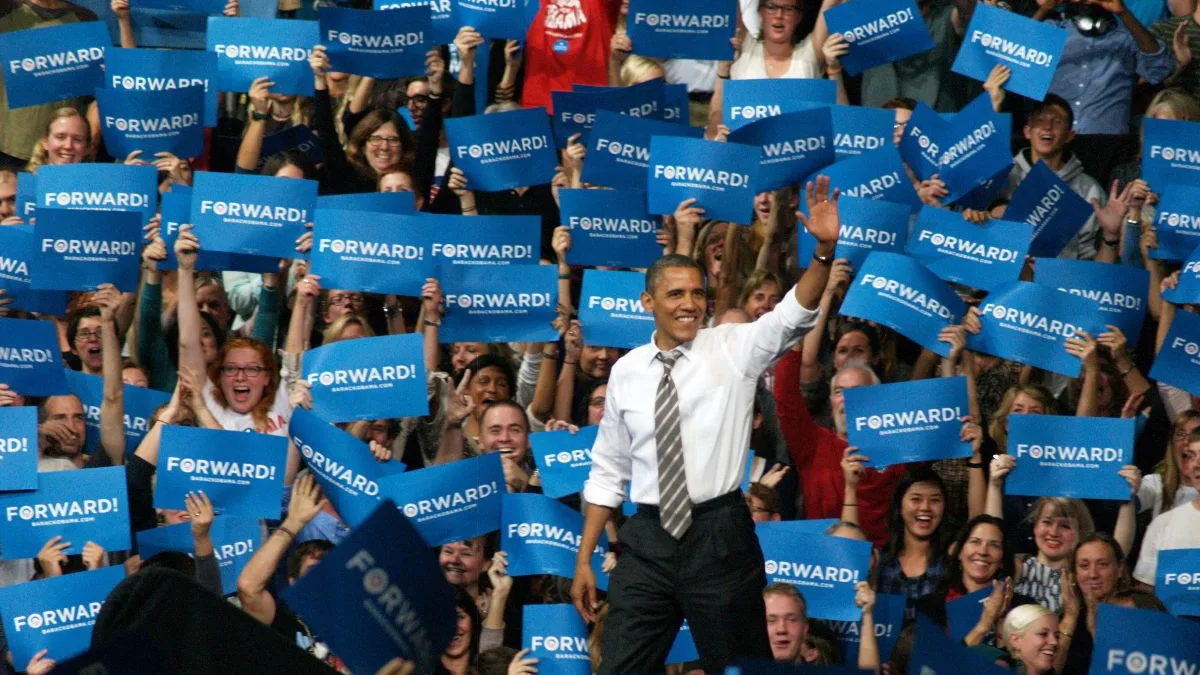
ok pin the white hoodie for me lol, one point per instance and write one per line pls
(1083, 245)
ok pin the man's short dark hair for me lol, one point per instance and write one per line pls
(1053, 101)
(769, 497)
(655, 272)
(76, 317)
(497, 361)
(506, 404)
(308, 549)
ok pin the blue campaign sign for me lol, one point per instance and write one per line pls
(675, 104)
(722, 177)
(1052, 207)
(242, 473)
(462, 242)
(801, 527)
(1178, 362)
(556, 636)
(1177, 581)
(99, 187)
(257, 215)
(177, 210)
(26, 195)
(368, 379)
(564, 459)
(234, 538)
(963, 613)
(80, 506)
(139, 404)
(203, 7)
(666, 29)
(1137, 641)
(889, 621)
(517, 303)
(1062, 456)
(609, 227)
(373, 44)
(611, 310)
(17, 243)
(878, 32)
(640, 100)
(574, 113)
(857, 130)
(878, 174)
(450, 502)
(343, 465)
(794, 145)
(924, 141)
(999, 37)
(54, 63)
(494, 19)
(824, 569)
(503, 150)
(30, 361)
(56, 614)
(162, 70)
(977, 147)
(378, 595)
(442, 23)
(916, 421)
(903, 295)
(983, 196)
(747, 101)
(868, 225)
(249, 48)
(152, 122)
(619, 149)
(935, 653)
(1030, 323)
(1177, 223)
(299, 138)
(380, 254)
(1119, 290)
(1170, 153)
(400, 203)
(542, 536)
(683, 649)
(987, 255)
(78, 252)
(19, 448)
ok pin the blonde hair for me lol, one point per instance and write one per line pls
(638, 69)
(1073, 510)
(1019, 619)
(1178, 101)
(998, 428)
(40, 156)
(1168, 468)
(333, 332)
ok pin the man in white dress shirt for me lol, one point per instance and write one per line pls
(676, 427)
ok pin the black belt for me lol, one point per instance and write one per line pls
(727, 499)
(700, 96)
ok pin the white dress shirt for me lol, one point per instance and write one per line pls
(715, 378)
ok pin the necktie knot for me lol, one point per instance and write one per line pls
(668, 359)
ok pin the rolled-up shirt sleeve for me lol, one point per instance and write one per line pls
(612, 455)
(753, 347)
(1157, 66)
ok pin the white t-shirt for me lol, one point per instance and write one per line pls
(752, 64)
(1177, 528)
(277, 418)
(1150, 494)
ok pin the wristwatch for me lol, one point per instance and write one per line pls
(259, 117)
(823, 259)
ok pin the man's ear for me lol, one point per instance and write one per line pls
(648, 302)
(1070, 137)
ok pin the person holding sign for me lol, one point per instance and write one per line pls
(698, 424)
(1177, 528)
(68, 140)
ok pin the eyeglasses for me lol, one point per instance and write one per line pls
(346, 299)
(418, 99)
(86, 334)
(1181, 434)
(230, 370)
(786, 10)
(380, 140)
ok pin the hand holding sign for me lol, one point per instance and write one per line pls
(53, 556)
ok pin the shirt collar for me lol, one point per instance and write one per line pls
(684, 349)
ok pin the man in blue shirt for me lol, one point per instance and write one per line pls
(1107, 50)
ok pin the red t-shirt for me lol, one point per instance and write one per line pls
(817, 454)
(567, 43)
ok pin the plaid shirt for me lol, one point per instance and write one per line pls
(893, 580)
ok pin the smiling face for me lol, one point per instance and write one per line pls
(487, 386)
(1054, 534)
(763, 202)
(87, 344)
(462, 353)
(595, 406)
(67, 141)
(921, 509)
(461, 642)
(1179, 445)
(68, 410)
(418, 100)
(597, 362)
(1097, 571)
(1037, 644)
(763, 299)
(1189, 464)
(678, 305)
(853, 345)
(383, 147)
(463, 562)
(981, 555)
(503, 429)
(714, 249)
(1049, 131)
(244, 378)
(787, 627)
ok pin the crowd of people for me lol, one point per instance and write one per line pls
(228, 346)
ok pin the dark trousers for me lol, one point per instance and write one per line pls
(713, 577)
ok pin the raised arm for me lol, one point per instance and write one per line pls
(823, 223)
(431, 320)
(250, 150)
(1001, 466)
(852, 472)
(564, 391)
(1126, 527)
(1085, 348)
(112, 407)
(190, 352)
(810, 355)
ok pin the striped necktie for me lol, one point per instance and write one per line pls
(674, 504)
